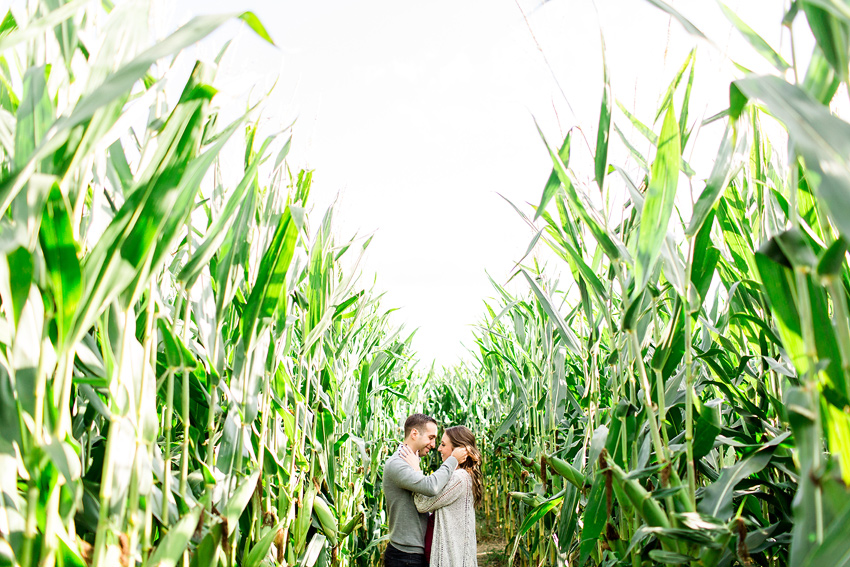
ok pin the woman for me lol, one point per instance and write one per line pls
(454, 543)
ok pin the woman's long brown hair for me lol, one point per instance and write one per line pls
(460, 436)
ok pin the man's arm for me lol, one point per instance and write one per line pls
(414, 480)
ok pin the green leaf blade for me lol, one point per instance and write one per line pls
(660, 198)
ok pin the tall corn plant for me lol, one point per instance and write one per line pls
(188, 376)
(690, 405)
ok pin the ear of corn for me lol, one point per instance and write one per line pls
(326, 519)
(566, 470)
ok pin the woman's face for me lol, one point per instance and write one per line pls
(445, 447)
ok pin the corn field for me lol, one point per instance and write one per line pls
(192, 372)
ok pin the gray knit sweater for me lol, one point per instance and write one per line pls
(407, 525)
(454, 528)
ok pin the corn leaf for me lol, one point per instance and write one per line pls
(717, 501)
(674, 84)
(659, 201)
(33, 29)
(569, 338)
(60, 256)
(221, 226)
(821, 80)
(584, 209)
(260, 549)
(170, 549)
(594, 518)
(271, 279)
(239, 500)
(689, 27)
(604, 130)
(755, 40)
(728, 163)
(554, 183)
(533, 517)
(832, 33)
(34, 116)
(124, 253)
(116, 88)
(833, 550)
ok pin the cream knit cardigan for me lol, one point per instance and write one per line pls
(454, 543)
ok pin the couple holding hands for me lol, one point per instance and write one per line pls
(432, 517)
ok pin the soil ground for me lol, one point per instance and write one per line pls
(491, 552)
(491, 544)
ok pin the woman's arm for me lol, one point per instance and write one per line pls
(412, 479)
(453, 491)
(409, 456)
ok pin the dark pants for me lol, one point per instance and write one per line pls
(395, 558)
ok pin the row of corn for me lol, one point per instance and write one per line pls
(189, 371)
(677, 389)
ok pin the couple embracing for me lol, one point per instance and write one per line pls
(451, 494)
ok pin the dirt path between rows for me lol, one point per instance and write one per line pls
(491, 553)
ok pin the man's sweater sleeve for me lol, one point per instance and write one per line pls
(454, 490)
(409, 478)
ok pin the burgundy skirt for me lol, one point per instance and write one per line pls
(429, 537)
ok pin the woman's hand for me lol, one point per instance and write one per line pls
(409, 456)
(460, 453)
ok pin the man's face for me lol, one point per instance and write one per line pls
(425, 441)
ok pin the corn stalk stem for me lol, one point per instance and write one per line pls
(184, 454)
(105, 495)
(166, 469)
(618, 269)
(650, 410)
(660, 386)
(41, 388)
(31, 524)
(48, 544)
(807, 324)
(66, 375)
(642, 376)
(124, 362)
(261, 454)
(141, 445)
(801, 276)
(689, 378)
(840, 318)
(210, 456)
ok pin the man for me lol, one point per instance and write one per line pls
(407, 525)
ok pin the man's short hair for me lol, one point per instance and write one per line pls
(417, 421)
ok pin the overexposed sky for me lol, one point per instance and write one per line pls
(419, 114)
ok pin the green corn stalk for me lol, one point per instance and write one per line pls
(735, 317)
(117, 240)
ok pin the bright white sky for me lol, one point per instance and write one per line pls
(419, 114)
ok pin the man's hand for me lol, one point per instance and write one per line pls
(409, 456)
(460, 453)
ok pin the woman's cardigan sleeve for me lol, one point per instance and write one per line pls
(451, 493)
